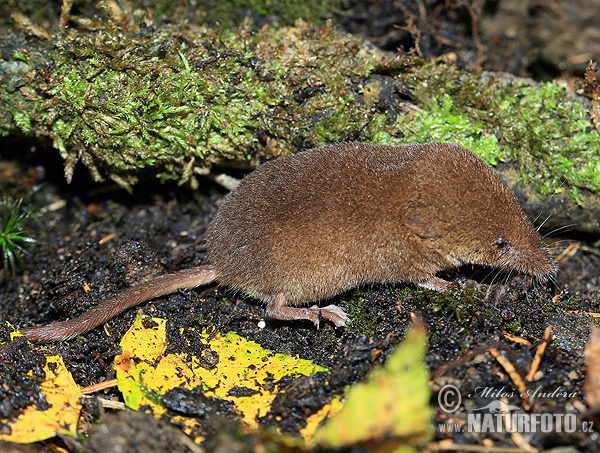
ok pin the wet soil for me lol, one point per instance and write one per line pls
(105, 239)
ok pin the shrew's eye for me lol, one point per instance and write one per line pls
(501, 243)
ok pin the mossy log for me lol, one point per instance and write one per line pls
(123, 98)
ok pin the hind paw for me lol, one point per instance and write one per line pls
(332, 313)
(277, 308)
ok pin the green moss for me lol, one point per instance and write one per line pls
(284, 12)
(155, 100)
(443, 122)
(212, 12)
(464, 305)
(362, 320)
(541, 128)
(513, 327)
(564, 303)
(23, 121)
(126, 99)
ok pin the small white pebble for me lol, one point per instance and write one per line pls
(262, 324)
(479, 358)
(539, 374)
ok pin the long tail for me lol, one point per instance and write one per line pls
(111, 307)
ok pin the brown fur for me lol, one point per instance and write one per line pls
(326, 220)
(307, 227)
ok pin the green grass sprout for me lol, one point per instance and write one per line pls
(13, 235)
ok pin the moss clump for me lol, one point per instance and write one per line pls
(465, 305)
(123, 97)
(541, 128)
(513, 327)
(283, 12)
(363, 320)
(563, 303)
(212, 12)
(157, 99)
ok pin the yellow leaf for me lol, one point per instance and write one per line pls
(63, 396)
(328, 411)
(144, 373)
(391, 408)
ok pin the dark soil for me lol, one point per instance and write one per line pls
(160, 229)
(107, 239)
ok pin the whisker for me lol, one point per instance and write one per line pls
(509, 276)
(488, 293)
(558, 214)
(546, 204)
(557, 229)
(544, 222)
(487, 275)
(554, 244)
(497, 274)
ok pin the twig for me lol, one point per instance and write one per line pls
(516, 339)
(535, 365)
(90, 389)
(516, 378)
